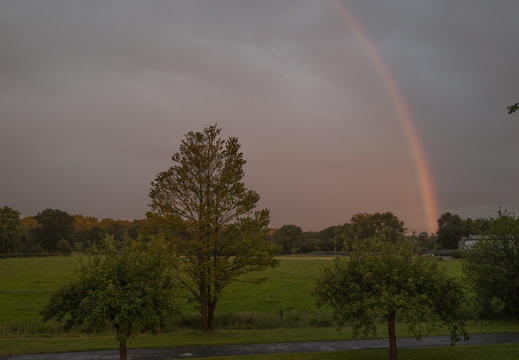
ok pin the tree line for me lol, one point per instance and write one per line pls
(54, 230)
(362, 226)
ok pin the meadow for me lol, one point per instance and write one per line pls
(26, 283)
(278, 309)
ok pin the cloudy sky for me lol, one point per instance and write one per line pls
(95, 97)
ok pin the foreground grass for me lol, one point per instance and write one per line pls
(81, 342)
(487, 352)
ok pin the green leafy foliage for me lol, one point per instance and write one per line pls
(54, 225)
(361, 227)
(492, 267)
(128, 285)
(202, 205)
(513, 108)
(383, 281)
(384, 225)
(422, 241)
(289, 237)
(451, 228)
(64, 247)
(11, 230)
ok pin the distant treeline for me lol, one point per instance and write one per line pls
(362, 226)
(54, 230)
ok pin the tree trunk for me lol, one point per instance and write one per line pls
(123, 354)
(211, 309)
(207, 313)
(392, 336)
(203, 299)
(204, 317)
(207, 306)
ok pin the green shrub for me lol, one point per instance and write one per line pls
(37, 249)
(63, 246)
(457, 254)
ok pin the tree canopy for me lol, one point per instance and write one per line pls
(54, 226)
(492, 267)
(451, 228)
(202, 204)
(365, 226)
(11, 230)
(289, 237)
(127, 284)
(382, 281)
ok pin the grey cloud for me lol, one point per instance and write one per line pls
(95, 97)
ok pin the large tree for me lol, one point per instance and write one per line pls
(387, 225)
(202, 204)
(383, 282)
(492, 267)
(451, 228)
(54, 226)
(335, 238)
(11, 230)
(128, 284)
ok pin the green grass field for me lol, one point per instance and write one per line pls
(26, 283)
(286, 288)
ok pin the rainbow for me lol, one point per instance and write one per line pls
(403, 113)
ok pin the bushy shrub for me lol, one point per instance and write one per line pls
(457, 254)
(63, 246)
(37, 249)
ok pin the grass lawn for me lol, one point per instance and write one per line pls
(286, 288)
(26, 283)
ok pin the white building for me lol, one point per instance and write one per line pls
(467, 243)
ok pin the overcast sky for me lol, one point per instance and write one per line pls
(95, 97)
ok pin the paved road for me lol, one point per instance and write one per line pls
(274, 348)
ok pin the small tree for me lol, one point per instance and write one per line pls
(513, 108)
(202, 205)
(382, 281)
(128, 285)
(492, 267)
(64, 247)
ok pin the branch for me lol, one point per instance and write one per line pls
(513, 108)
